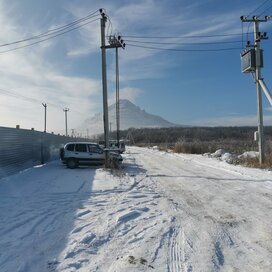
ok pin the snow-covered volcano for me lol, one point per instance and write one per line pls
(130, 116)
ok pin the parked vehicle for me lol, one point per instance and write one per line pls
(74, 154)
(120, 147)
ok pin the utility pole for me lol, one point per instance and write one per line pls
(116, 43)
(42, 136)
(66, 129)
(103, 21)
(258, 91)
(117, 98)
(255, 61)
(44, 104)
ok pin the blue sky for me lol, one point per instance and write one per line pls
(184, 87)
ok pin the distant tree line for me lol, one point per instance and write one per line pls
(174, 134)
(197, 139)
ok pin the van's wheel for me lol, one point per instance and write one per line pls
(72, 163)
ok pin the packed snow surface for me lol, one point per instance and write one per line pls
(162, 212)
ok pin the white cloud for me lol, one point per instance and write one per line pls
(130, 93)
(126, 93)
(27, 72)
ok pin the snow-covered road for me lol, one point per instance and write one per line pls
(165, 212)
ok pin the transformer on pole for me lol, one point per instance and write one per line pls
(252, 62)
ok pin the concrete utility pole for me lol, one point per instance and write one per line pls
(258, 91)
(256, 62)
(116, 43)
(117, 98)
(66, 128)
(103, 21)
(45, 106)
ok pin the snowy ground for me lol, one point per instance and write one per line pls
(167, 212)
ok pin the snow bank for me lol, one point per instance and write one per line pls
(249, 155)
(231, 158)
(163, 212)
(222, 155)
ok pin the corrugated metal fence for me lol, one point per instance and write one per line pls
(21, 148)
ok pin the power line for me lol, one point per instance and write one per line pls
(140, 43)
(32, 100)
(19, 96)
(182, 43)
(51, 37)
(181, 37)
(265, 10)
(185, 50)
(137, 42)
(261, 5)
(53, 31)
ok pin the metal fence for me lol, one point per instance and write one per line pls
(21, 148)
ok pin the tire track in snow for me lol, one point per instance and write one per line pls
(193, 214)
(176, 254)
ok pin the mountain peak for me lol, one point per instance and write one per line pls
(124, 103)
(130, 116)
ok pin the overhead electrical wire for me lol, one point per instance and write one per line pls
(54, 30)
(210, 40)
(185, 50)
(32, 100)
(142, 41)
(182, 43)
(265, 10)
(52, 33)
(260, 6)
(80, 23)
(19, 96)
(48, 38)
(181, 37)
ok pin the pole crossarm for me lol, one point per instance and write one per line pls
(116, 42)
(112, 46)
(255, 19)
